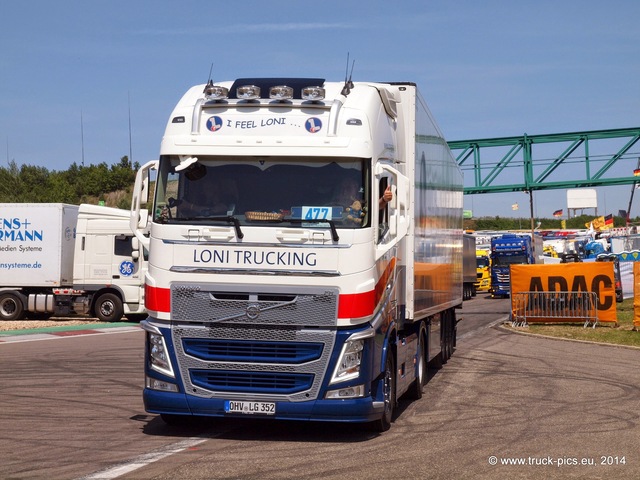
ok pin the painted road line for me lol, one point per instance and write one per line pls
(145, 459)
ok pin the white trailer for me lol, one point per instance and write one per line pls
(58, 259)
(469, 267)
(275, 295)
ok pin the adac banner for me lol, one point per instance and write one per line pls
(636, 294)
(594, 277)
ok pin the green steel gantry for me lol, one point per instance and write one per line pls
(561, 160)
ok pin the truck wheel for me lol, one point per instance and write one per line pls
(415, 392)
(11, 306)
(389, 392)
(108, 308)
(445, 337)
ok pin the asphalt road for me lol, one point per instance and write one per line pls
(72, 408)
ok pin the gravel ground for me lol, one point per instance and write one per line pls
(53, 322)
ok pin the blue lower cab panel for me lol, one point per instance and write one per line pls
(356, 411)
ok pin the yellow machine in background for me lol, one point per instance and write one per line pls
(483, 270)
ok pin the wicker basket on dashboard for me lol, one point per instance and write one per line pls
(263, 216)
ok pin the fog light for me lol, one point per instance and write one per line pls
(215, 92)
(356, 391)
(314, 94)
(248, 92)
(281, 92)
(161, 385)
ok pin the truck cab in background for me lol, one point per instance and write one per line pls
(511, 249)
(483, 269)
(59, 260)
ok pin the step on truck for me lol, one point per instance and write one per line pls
(58, 260)
(283, 281)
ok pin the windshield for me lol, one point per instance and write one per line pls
(499, 260)
(263, 191)
(482, 262)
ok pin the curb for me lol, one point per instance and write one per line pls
(562, 339)
(50, 333)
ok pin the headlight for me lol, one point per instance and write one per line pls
(348, 366)
(158, 355)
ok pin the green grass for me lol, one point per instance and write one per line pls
(621, 334)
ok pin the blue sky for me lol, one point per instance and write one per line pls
(486, 68)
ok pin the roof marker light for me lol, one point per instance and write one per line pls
(281, 92)
(313, 93)
(248, 92)
(214, 92)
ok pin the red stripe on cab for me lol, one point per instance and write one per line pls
(157, 299)
(353, 305)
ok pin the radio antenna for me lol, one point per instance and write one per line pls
(348, 84)
(210, 81)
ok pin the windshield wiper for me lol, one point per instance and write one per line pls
(332, 225)
(225, 218)
(229, 219)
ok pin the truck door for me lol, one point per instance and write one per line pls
(123, 266)
(392, 218)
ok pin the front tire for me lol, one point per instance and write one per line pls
(415, 392)
(108, 308)
(11, 306)
(389, 391)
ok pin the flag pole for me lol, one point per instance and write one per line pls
(633, 188)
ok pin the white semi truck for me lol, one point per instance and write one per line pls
(275, 290)
(58, 259)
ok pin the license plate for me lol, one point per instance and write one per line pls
(250, 408)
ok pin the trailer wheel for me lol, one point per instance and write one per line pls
(108, 308)
(445, 337)
(415, 392)
(11, 306)
(389, 391)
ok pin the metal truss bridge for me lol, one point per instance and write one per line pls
(538, 162)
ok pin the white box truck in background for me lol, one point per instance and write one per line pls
(58, 259)
(281, 283)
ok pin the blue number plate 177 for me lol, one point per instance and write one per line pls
(250, 408)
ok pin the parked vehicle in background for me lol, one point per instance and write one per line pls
(483, 270)
(469, 275)
(509, 249)
(58, 260)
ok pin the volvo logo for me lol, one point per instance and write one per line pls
(253, 311)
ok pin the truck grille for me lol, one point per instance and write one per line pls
(253, 382)
(255, 345)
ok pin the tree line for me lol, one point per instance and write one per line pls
(501, 223)
(101, 183)
(112, 185)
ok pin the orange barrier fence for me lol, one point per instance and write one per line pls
(593, 277)
(557, 307)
